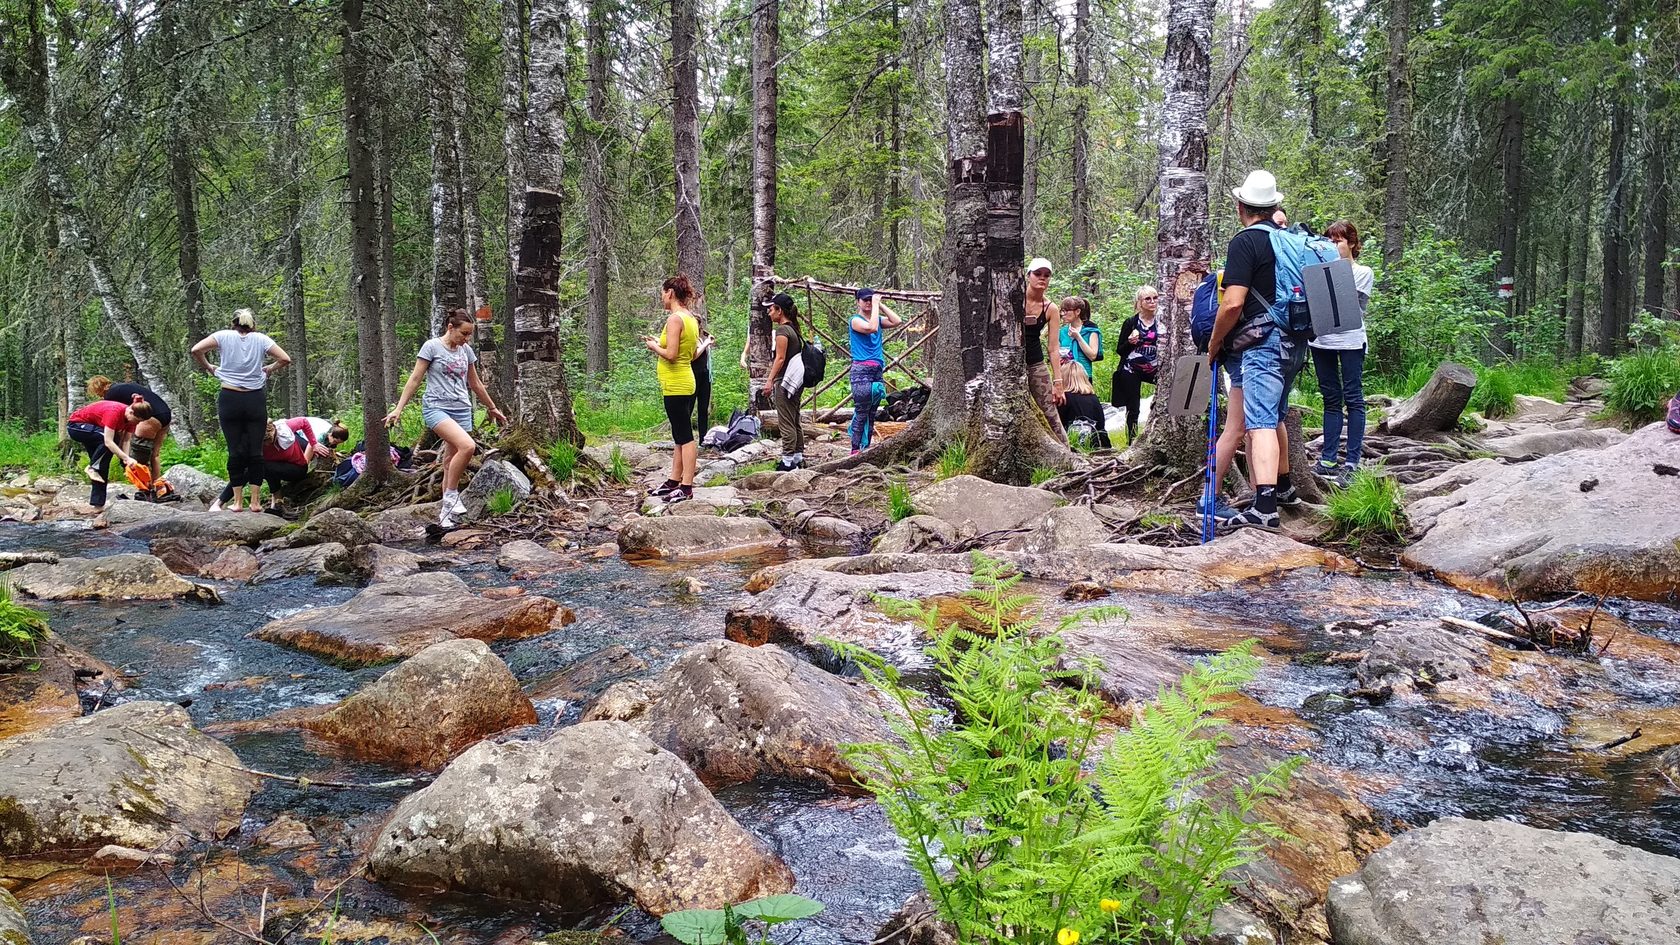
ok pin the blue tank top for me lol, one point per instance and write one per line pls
(868, 346)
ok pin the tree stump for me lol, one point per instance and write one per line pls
(1436, 408)
(1300, 464)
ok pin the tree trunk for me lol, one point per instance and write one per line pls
(392, 367)
(1580, 249)
(895, 175)
(449, 260)
(766, 38)
(1081, 212)
(1613, 310)
(543, 403)
(291, 204)
(1510, 164)
(514, 122)
(685, 147)
(1437, 406)
(597, 348)
(359, 133)
(1397, 133)
(1183, 240)
(1656, 217)
(180, 151)
(24, 75)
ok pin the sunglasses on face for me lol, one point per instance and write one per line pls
(1042, 273)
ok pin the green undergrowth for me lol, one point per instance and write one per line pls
(35, 453)
(500, 502)
(1641, 384)
(899, 506)
(1370, 508)
(21, 628)
(953, 461)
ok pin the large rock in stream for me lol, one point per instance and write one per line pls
(735, 712)
(332, 526)
(136, 775)
(595, 812)
(690, 536)
(1466, 882)
(394, 619)
(984, 506)
(114, 577)
(14, 928)
(437, 703)
(1590, 520)
(147, 521)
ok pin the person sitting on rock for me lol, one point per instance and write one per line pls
(103, 428)
(1081, 411)
(291, 445)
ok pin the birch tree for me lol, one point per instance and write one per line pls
(446, 80)
(766, 35)
(685, 147)
(597, 197)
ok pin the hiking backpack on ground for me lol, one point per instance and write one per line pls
(743, 428)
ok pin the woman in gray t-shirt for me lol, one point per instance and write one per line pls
(450, 367)
(242, 403)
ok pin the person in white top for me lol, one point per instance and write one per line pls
(243, 367)
(1339, 362)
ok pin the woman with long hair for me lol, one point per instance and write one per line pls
(675, 368)
(291, 445)
(243, 367)
(449, 366)
(148, 434)
(1080, 336)
(1139, 355)
(1081, 411)
(1339, 363)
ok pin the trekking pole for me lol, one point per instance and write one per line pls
(1211, 488)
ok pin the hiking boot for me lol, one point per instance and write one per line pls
(1288, 496)
(93, 474)
(1250, 518)
(661, 491)
(788, 464)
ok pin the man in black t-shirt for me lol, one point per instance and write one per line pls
(1250, 286)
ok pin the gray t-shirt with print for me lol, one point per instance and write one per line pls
(446, 377)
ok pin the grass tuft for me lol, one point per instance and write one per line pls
(21, 628)
(562, 460)
(1369, 508)
(899, 507)
(500, 502)
(1496, 393)
(1043, 474)
(954, 460)
(1642, 382)
(618, 468)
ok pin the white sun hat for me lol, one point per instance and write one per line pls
(1039, 262)
(1259, 189)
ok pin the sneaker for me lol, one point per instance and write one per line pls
(1221, 509)
(788, 464)
(446, 520)
(1288, 496)
(661, 491)
(1344, 478)
(93, 474)
(1327, 470)
(452, 501)
(1251, 518)
(679, 494)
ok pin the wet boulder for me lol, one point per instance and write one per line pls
(987, 507)
(431, 707)
(216, 562)
(376, 563)
(143, 776)
(671, 536)
(333, 526)
(1421, 654)
(918, 533)
(1553, 537)
(527, 557)
(246, 528)
(807, 605)
(735, 712)
(395, 619)
(404, 523)
(321, 561)
(496, 475)
(14, 927)
(1468, 882)
(594, 813)
(190, 482)
(114, 577)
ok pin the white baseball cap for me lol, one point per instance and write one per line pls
(1039, 262)
(1259, 189)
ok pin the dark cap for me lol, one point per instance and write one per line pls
(865, 293)
(782, 301)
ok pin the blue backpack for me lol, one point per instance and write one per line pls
(1295, 249)
(1204, 308)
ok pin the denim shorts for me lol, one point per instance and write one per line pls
(1262, 373)
(1232, 363)
(432, 416)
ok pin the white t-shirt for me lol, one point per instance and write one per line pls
(1364, 280)
(239, 358)
(283, 434)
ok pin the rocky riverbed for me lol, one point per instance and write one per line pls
(494, 739)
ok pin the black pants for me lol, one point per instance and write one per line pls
(1128, 396)
(244, 417)
(703, 393)
(92, 438)
(279, 475)
(679, 409)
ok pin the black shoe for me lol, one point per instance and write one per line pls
(1288, 496)
(1250, 518)
(679, 494)
(660, 492)
(788, 465)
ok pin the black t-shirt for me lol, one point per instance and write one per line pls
(1249, 262)
(124, 394)
(1032, 335)
(1085, 407)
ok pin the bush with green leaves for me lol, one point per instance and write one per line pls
(1435, 306)
(899, 506)
(21, 628)
(1014, 842)
(1641, 383)
(1371, 507)
(731, 924)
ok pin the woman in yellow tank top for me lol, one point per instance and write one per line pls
(675, 348)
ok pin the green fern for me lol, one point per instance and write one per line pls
(986, 787)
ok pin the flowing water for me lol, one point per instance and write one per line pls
(1508, 755)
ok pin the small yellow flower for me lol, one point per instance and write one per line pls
(1067, 937)
(1109, 906)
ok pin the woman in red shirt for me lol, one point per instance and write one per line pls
(103, 428)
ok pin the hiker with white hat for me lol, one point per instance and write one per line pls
(1039, 312)
(1245, 324)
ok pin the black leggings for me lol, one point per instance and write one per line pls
(279, 474)
(703, 392)
(679, 409)
(92, 439)
(244, 416)
(1128, 396)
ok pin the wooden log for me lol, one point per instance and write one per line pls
(1436, 408)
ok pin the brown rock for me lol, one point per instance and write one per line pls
(694, 536)
(196, 558)
(114, 577)
(114, 859)
(587, 677)
(287, 833)
(438, 702)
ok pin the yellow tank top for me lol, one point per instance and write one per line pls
(676, 378)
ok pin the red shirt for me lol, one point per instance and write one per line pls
(104, 413)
